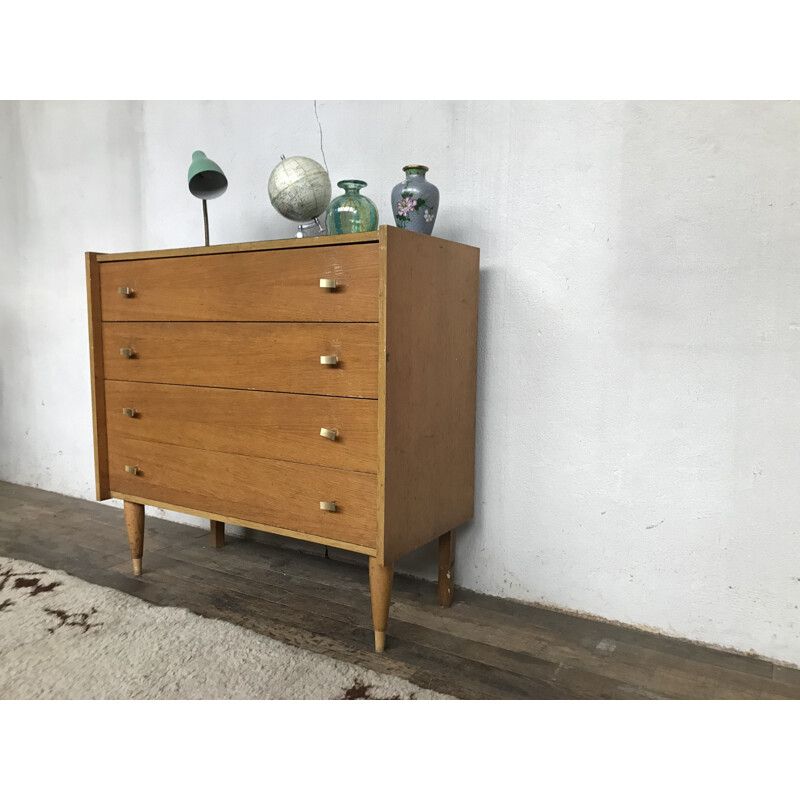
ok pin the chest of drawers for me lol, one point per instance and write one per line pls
(322, 389)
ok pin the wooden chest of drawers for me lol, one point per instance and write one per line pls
(322, 389)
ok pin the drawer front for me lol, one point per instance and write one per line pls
(274, 285)
(261, 490)
(263, 424)
(281, 357)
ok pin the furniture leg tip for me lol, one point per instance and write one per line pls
(137, 566)
(380, 641)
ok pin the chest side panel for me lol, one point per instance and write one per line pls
(431, 321)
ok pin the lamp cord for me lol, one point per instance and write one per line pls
(322, 149)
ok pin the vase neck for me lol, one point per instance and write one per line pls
(415, 170)
(351, 186)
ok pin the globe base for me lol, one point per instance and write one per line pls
(313, 228)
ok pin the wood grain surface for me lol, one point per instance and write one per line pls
(447, 561)
(217, 530)
(481, 648)
(244, 247)
(282, 357)
(266, 424)
(251, 525)
(277, 493)
(97, 372)
(261, 286)
(134, 523)
(431, 328)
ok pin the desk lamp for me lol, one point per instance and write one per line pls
(206, 181)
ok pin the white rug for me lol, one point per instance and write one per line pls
(64, 638)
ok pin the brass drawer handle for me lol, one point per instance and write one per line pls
(127, 352)
(125, 291)
(327, 505)
(328, 433)
(327, 283)
(330, 361)
(129, 412)
(132, 470)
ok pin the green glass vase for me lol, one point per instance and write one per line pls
(351, 212)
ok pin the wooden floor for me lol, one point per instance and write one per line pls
(480, 648)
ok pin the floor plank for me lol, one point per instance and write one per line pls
(480, 648)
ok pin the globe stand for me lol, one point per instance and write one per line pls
(313, 228)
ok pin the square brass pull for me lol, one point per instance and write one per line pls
(125, 291)
(327, 283)
(132, 470)
(327, 505)
(129, 412)
(330, 361)
(127, 352)
(328, 433)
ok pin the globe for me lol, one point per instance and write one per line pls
(299, 188)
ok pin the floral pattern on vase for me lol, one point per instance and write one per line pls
(415, 201)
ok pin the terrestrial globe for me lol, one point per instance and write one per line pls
(299, 189)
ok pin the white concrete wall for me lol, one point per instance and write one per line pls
(639, 377)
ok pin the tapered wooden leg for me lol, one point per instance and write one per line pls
(447, 558)
(380, 589)
(134, 522)
(217, 533)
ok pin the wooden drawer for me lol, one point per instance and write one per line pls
(261, 490)
(282, 357)
(277, 285)
(267, 424)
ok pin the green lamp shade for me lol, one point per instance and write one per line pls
(206, 179)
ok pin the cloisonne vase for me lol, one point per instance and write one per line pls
(415, 201)
(351, 212)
